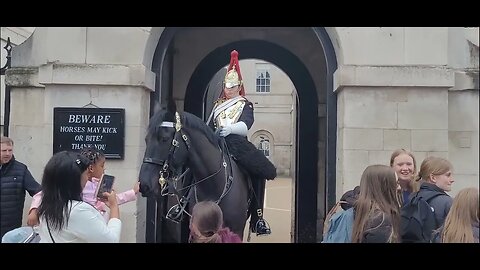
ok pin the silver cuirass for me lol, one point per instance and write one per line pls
(228, 112)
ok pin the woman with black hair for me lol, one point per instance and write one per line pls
(64, 217)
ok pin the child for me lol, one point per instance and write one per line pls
(95, 171)
(206, 225)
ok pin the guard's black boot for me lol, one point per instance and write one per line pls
(258, 224)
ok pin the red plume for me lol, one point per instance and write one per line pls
(234, 62)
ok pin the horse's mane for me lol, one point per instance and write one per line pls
(188, 120)
(192, 121)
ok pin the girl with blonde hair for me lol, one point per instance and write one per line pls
(404, 164)
(461, 223)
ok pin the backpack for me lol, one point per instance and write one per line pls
(338, 226)
(21, 235)
(418, 219)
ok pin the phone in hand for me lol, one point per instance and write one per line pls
(105, 185)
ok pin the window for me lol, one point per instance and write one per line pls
(264, 146)
(263, 81)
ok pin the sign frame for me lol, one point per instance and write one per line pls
(78, 127)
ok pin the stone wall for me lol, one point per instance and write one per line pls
(408, 87)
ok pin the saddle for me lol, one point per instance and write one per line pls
(225, 149)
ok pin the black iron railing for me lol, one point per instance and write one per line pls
(3, 70)
(8, 48)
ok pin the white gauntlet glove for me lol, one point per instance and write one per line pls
(239, 128)
(225, 131)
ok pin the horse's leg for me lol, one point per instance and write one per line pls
(239, 200)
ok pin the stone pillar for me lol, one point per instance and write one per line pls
(381, 109)
(463, 138)
(36, 91)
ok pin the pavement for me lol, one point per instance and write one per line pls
(277, 212)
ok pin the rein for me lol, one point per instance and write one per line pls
(164, 178)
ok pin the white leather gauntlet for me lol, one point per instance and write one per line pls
(239, 128)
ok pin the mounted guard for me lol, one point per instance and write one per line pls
(233, 117)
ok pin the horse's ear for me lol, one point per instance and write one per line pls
(157, 107)
(170, 109)
(171, 106)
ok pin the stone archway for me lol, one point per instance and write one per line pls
(184, 74)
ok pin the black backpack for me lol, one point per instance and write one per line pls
(417, 219)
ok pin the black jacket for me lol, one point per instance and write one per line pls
(440, 204)
(15, 180)
(377, 229)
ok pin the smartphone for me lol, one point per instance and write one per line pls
(105, 185)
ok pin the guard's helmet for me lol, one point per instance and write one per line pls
(233, 76)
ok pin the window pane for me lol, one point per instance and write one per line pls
(267, 81)
(267, 74)
(264, 146)
(267, 88)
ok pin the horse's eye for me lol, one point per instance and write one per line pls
(164, 138)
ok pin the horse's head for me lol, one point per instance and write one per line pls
(165, 154)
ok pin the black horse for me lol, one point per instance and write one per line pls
(179, 141)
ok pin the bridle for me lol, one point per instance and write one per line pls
(178, 135)
(168, 182)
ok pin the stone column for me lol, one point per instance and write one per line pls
(36, 91)
(463, 120)
(381, 109)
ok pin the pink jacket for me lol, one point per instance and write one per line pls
(226, 236)
(88, 195)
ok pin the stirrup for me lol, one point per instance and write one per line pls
(261, 227)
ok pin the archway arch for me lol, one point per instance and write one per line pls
(316, 109)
